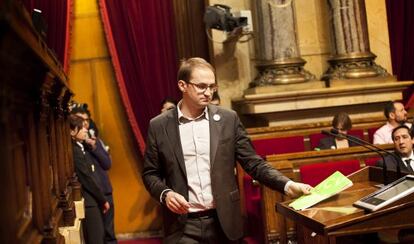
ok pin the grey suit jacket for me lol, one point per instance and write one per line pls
(164, 168)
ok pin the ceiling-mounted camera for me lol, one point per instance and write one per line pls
(233, 24)
(219, 17)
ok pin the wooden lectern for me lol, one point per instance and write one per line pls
(335, 219)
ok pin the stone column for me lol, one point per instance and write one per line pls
(277, 54)
(351, 54)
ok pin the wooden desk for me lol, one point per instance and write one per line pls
(335, 218)
(276, 226)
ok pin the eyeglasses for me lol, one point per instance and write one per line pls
(202, 87)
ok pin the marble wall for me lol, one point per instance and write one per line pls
(235, 61)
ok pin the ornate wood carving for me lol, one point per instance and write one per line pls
(36, 163)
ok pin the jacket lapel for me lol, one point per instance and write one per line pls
(400, 162)
(215, 121)
(404, 167)
(173, 135)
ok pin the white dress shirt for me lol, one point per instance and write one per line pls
(383, 134)
(195, 142)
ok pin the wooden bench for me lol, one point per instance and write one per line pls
(283, 140)
(305, 137)
(276, 227)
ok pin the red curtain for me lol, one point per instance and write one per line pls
(400, 15)
(57, 15)
(141, 40)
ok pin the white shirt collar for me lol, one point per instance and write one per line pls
(410, 157)
(181, 115)
(81, 146)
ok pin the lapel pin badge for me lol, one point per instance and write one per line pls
(216, 117)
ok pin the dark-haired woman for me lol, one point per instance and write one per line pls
(95, 202)
(342, 123)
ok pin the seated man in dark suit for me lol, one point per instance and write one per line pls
(403, 144)
(402, 138)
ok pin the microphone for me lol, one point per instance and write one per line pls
(369, 146)
(372, 147)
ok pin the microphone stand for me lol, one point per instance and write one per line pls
(398, 160)
(337, 134)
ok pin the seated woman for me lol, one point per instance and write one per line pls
(95, 201)
(215, 100)
(342, 123)
(167, 104)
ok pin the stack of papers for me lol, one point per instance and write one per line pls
(332, 185)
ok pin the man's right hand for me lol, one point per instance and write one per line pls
(297, 189)
(106, 207)
(176, 203)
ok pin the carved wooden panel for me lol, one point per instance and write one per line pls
(36, 169)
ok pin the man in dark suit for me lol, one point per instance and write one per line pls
(403, 144)
(402, 138)
(189, 163)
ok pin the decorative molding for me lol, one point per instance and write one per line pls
(68, 207)
(282, 73)
(354, 68)
(76, 189)
(46, 91)
(50, 231)
(317, 104)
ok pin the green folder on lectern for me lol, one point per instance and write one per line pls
(332, 185)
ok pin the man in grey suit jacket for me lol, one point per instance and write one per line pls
(403, 144)
(190, 160)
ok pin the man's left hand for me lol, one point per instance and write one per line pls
(296, 189)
